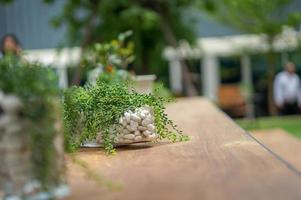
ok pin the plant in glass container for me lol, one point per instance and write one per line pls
(111, 114)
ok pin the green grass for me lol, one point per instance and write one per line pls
(291, 124)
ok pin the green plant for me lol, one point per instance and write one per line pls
(36, 86)
(155, 24)
(94, 108)
(110, 60)
(118, 53)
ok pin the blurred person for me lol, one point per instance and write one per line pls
(287, 90)
(10, 45)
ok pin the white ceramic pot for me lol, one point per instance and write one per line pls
(144, 83)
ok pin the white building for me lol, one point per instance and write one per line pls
(209, 50)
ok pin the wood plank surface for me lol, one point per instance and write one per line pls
(221, 161)
(283, 144)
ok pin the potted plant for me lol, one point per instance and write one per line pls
(116, 55)
(111, 114)
(105, 57)
(31, 144)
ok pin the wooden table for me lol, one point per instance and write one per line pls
(221, 161)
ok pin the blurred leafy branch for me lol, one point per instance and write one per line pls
(37, 88)
(258, 16)
(6, 1)
(32, 82)
(155, 24)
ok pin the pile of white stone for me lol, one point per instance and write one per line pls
(135, 126)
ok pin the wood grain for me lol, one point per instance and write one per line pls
(283, 144)
(220, 162)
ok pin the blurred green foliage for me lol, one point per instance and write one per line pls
(255, 16)
(116, 53)
(152, 22)
(37, 88)
(32, 82)
(5, 1)
(289, 123)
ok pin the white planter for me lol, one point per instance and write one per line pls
(144, 83)
(17, 180)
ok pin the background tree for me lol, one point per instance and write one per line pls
(155, 23)
(257, 16)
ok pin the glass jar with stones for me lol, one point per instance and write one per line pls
(29, 170)
(135, 126)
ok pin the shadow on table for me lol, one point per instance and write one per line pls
(140, 146)
(128, 147)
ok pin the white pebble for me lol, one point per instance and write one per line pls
(147, 133)
(137, 132)
(153, 136)
(145, 112)
(135, 118)
(142, 128)
(146, 121)
(151, 127)
(125, 131)
(127, 117)
(138, 138)
(129, 136)
(123, 121)
(142, 115)
(133, 126)
(128, 127)
(127, 141)
(150, 117)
